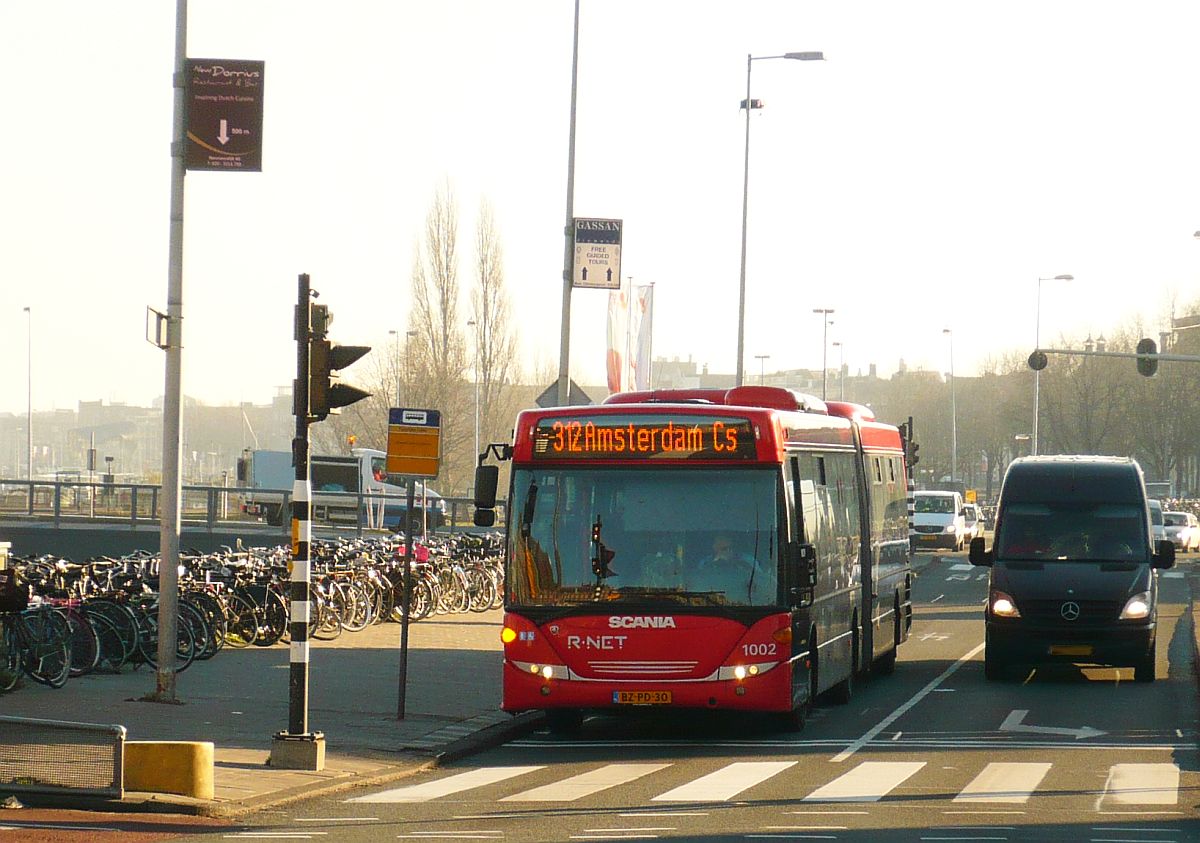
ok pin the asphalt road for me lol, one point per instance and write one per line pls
(933, 753)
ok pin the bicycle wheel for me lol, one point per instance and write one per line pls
(85, 643)
(241, 621)
(122, 617)
(112, 643)
(11, 654)
(47, 647)
(185, 644)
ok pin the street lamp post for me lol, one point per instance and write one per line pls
(749, 104)
(1037, 343)
(29, 400)
(953, 412)
(824, 311)
(762, 376)
(841, 369)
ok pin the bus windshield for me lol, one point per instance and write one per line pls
(692, 536)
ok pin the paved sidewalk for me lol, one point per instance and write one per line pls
(239, 700)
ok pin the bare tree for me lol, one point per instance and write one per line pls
(435, 374)
(496, 349)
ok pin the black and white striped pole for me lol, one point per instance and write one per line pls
(297, 748)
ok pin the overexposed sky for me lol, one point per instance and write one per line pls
(945, 156)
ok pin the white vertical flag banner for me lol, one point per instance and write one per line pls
(642, 334)
(618, 329)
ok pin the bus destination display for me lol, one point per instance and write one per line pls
(620, 437)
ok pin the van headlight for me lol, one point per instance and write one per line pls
(1137, 607)
(1002, 605)
(948, 529)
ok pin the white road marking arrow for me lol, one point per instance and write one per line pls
(223, 135)
(1013, 723)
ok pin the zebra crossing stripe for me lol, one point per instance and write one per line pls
(870, 781)
(587, 783)
(447, 786)
(725, 783)
(1003, 781)
(1141, 784)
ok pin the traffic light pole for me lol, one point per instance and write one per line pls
(297, 748)
(1151, 355)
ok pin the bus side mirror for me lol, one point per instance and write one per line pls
(487, 477)
(977, 554)
(801, 573)
(1165, 556)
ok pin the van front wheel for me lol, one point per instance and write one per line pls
(994, 665)
(1143, 671)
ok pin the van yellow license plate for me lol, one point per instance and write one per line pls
(1070, 649)
(642, 697)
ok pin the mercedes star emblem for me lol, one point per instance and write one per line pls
(1069, 611)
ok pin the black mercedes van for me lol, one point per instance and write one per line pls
(1073, 572)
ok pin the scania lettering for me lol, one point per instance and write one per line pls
(750, 545)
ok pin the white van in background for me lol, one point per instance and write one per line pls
(938, 521)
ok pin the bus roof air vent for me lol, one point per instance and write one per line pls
(668, 396)
(774, 397)
(846, 410)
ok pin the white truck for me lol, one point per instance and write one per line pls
(337, 482)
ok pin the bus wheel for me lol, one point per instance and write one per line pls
(792, 721)
(886, 665)
(844, 690)
(564, 721)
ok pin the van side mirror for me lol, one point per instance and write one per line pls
(487, 477)
(1164, 556)
(978, 555)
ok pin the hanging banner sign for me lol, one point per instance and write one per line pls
(597, 254)
(224, 99)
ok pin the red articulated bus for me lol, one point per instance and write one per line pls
(742, 549)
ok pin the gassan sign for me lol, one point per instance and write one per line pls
(597, 254)
(224, 114)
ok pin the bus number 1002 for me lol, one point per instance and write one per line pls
(759, 649)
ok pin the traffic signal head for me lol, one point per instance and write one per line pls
(326, 396)
(1037, 360)
(913, 459)
(1147, 365)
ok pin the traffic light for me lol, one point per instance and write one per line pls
(913, 459)
(1147, 365)
(325, 395)
(1037, 360)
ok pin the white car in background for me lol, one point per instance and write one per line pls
(1158, 531)
(973, 519)
(1183, 530)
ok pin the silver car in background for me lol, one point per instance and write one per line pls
(1182, 530)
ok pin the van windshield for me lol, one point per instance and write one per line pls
(934, 503)
(1084, 532)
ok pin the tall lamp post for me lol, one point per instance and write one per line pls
(1037, 343)
(841, 369)
(29, 400)
(953, 412)
(762, 371)
(749, 104)
(824, 311)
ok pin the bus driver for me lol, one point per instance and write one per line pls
(733, 572)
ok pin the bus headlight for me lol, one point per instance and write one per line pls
(1136, 607)
(546, 671)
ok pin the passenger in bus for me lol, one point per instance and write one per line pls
(731, 570)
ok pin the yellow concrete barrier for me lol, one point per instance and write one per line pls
(181, 767)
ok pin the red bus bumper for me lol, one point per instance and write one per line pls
(769, 691)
